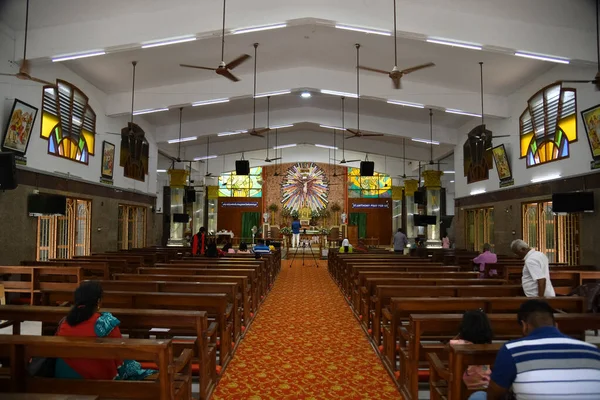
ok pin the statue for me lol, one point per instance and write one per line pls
(344, 218)
(304, 213)
(266, 217)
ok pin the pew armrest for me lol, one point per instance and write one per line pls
(228, 310)
(183, 361)
(6, 324)
(387, 315)
(374, 299)
(436, 364)
(363, 290)
(212, 329)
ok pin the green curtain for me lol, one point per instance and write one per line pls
(360, 220)
(249, 219)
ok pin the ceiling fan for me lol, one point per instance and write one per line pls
(596, 80)
(254, 131)
(178, 159)
(397, 74)
(357, 132)
(343, 160)
(208, 174)
(404, 176)
(480, 132)
(23, 73)
(268, 160)
(277, 165)
(223, 69)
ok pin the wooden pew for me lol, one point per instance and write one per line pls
(130, 263)
(178, 323)
(401, 307)
(425, 332)
(248, 299)
(232, 290)
(33, 280)
(383, 295)
(90, 269)
(215, 304)
(173, 381)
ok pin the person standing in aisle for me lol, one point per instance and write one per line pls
(296, 232)
(400, 241)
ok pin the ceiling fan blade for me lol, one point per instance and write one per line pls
(276, 158)
(237, 61)
(355, 132)
(43, 82)
(370, 134)
(396, 82)
(373, 70)
(501, 136)
(255, 133)
(575, 81)
(227, 74)
(197, 67)
(349, 161)
(3, 74)
(416, 68)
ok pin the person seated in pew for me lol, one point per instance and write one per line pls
(545, 364)
(243, 248)
(213, 252)
(346, 246)
(475, 328)
(486, 257)
(228, 248)
(86, 320)
(261, 248)
(361, 247)
(536, 271)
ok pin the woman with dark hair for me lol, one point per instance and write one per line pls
(213, 251)
(243, 248)
(86, 320)
(475, 328)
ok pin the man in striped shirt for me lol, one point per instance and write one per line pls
(545, 364)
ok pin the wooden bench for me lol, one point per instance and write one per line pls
(401, 307)
(91, 270)
(248, 299)
(232, 290)
(167, 324)
(383, 295)
(173, 381)
(426, 332)
(33, 280)
(216, 305)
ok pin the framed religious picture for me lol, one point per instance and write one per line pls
(502, 164)
(108, 159)
(591, 121)
(18, 129)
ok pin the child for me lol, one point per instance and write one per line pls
(475, 329)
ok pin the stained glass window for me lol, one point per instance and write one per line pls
(378, 185)
(548, 125)
(68, 122)
(233, 185)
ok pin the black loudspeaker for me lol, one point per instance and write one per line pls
(8, 172)
(419, 197)
(181, 218)
(367, 168)
(190, 195)
(242, 167)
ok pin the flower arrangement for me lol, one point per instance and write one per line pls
(285, 230)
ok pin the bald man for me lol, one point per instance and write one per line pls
(536, 271)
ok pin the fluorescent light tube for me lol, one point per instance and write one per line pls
(258, 28)
(403, 103)
(448, 172)
(326, 146)
(161, 170)
(426, 141)
(545, 178)
(185, 139)
(332, 127)
(275, 93)
(167, 42)
(543, 58)
(232, 133)
(464, 45)
(149, 111)
(78, 55)
(459, 112)
(205, 158)
(336, 93)
(281, 126)
(451, 181)
(306, 95)
(207, 102)
(477, 191)
(284, 146)
(364, 30)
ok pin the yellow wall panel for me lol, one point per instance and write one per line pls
(569, 127)
(49, 121)
(525, 140)
(90, 140)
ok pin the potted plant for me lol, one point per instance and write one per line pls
(336, 208)
(285, 213)
(273, 208)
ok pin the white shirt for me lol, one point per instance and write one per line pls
(345, 242)
(536, 267)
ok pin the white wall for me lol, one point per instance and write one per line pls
(37, 152)
(580, 155)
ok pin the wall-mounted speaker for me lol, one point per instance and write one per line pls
(242, 167)
(8, 171)
(367, 168)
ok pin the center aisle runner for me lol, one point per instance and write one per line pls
(305, 344)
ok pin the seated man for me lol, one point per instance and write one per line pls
(346, 247)
(545, 364)
(486, 257)
(261, 248)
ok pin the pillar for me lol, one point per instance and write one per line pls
(433, 188)
(177, 183)
(410, 187)
(397, 213)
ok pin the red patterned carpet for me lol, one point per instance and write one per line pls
(305, 344)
